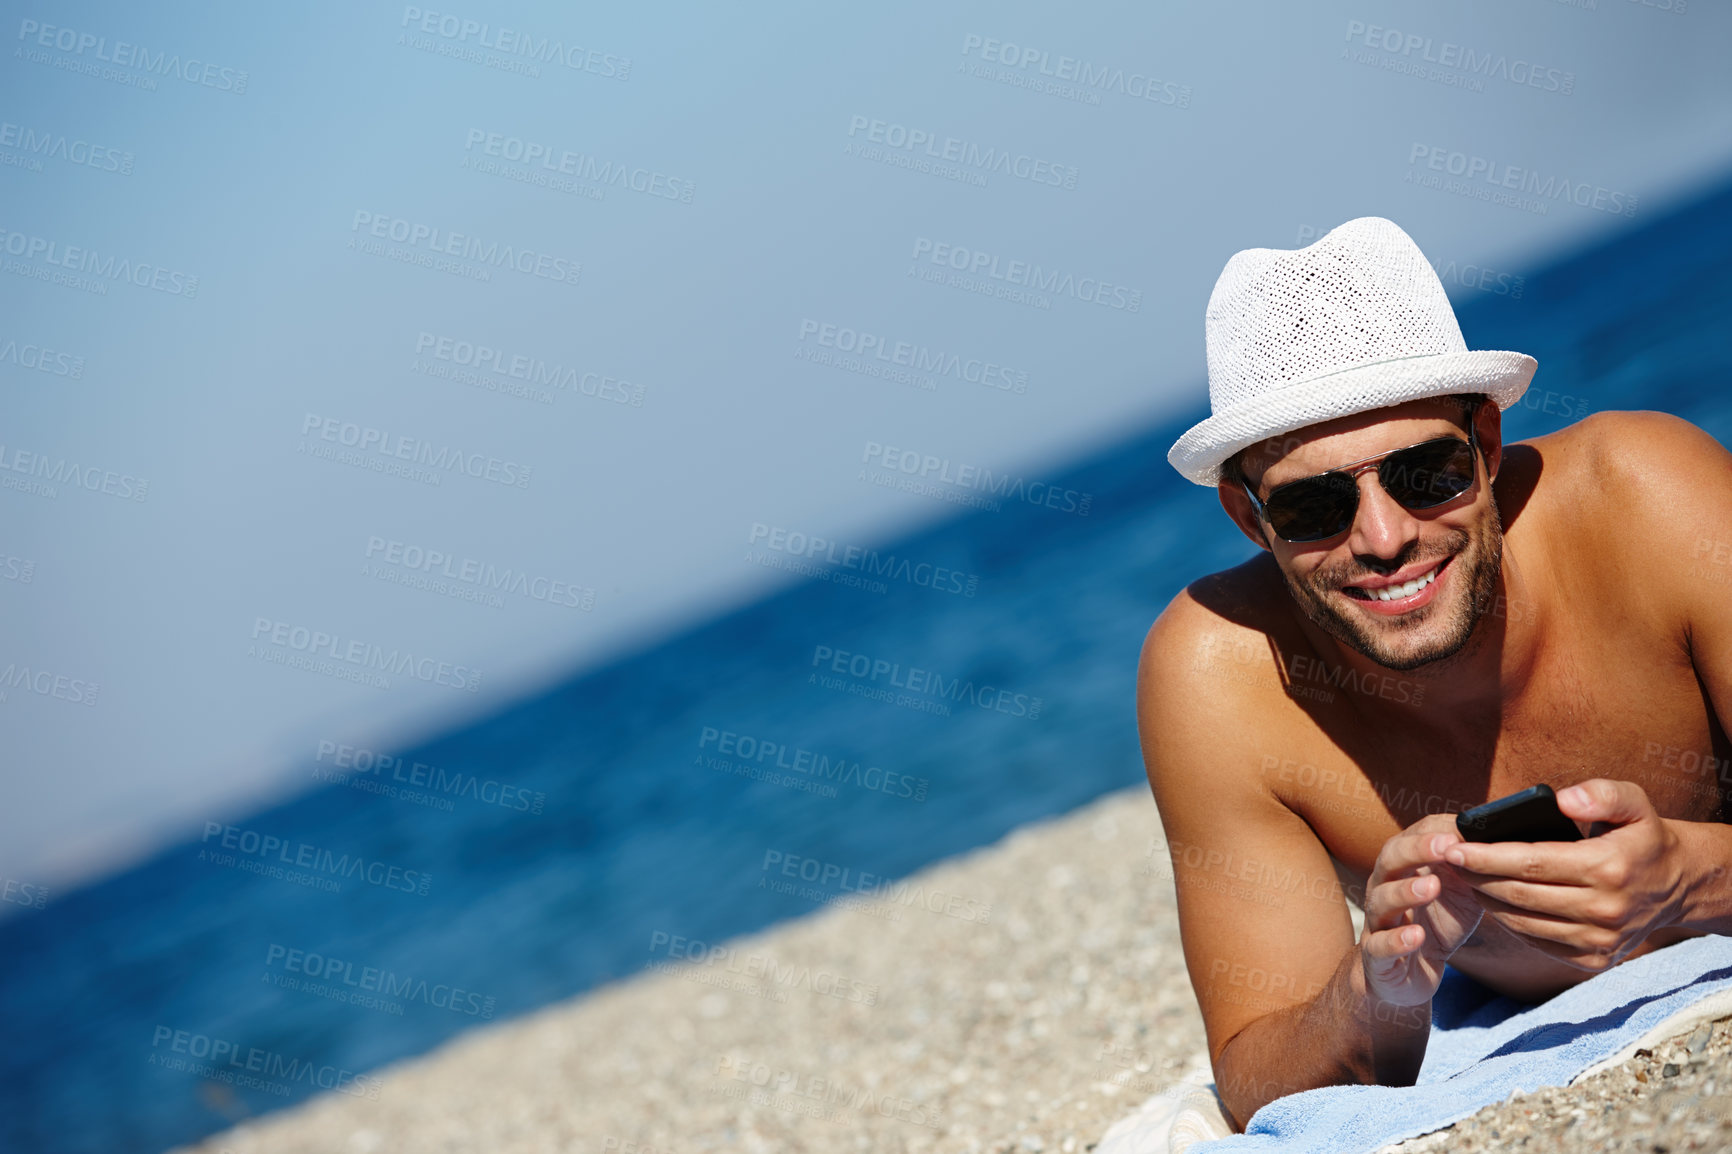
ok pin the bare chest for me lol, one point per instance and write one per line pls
(1592, 709)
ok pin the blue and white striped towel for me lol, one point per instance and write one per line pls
(1485, 1046)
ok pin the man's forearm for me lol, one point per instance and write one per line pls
(1707, 900)
(1342, 1036)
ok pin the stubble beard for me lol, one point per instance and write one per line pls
(1388, 641)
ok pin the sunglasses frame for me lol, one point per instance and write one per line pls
(1352, 470)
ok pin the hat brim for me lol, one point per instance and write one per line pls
(1503, 376)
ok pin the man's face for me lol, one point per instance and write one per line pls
(1403, 587)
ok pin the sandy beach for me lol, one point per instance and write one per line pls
(1019, 998)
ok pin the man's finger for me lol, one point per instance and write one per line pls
(1583, 947)
(1553, 862)
(1389, 945)
(1570, 904)
(1388, 903)
(1602, 799)
(1407, 851)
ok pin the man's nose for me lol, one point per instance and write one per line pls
(1381, 527)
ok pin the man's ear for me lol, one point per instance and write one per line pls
(1238, 507)
(1488, 428)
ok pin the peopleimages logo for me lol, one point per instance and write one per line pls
(47, 683)
(41, 358)
(430, 241)
(230, 1064)
(60, 471)
(579, 165)
(14, 568)
(363, 655)
(23, 894)
(365, 439)
(874, 887)
(1464, 274)
(361, 980)
(1023, 274)
(973, 477)
(914, 357)
(865, 560)
(58, 146)
(742, 749)
(261, 848)
(126, 55)
(762, 967)
(366, 765)
(482, 575)
(1485, 179)
(1448, 54)
(515, 42)
(879, 671)
(479, 357)
(816, 1096)
(951, 149)
(1094, 77)
(92, 263)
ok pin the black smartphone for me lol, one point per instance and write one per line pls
(1531, 814)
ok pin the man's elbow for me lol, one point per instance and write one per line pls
(1245, 1085)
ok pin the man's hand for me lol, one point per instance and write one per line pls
(1587, 903)
(1418, 912)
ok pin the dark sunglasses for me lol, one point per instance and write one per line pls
(1420, 476)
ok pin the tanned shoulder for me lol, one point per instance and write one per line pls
(1633, 458)
(1671, 529)
(1655, 494)
(1207, 665)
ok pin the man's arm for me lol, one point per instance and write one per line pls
(1668, 486)
(1283, 987)
(1701, 480)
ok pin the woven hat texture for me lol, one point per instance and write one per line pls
(1356, 321)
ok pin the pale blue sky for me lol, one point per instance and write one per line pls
(1292, 121)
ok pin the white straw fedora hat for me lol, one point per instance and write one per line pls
(1355, 321)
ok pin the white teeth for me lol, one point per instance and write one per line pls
(1408, 589)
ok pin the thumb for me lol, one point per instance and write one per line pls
(1602, 799)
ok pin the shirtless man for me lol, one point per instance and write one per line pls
(1309, 733)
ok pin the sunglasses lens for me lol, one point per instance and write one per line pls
(1314, 508)
(1419, 477)
(1428, 475)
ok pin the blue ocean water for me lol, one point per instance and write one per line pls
(634, 829)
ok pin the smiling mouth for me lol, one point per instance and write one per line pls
(1397, 592)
